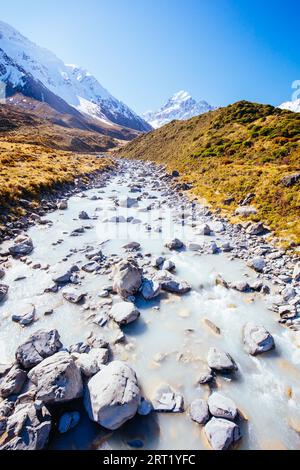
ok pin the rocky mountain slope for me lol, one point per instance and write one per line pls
(37, 73)
(244, 154)
(180, 106)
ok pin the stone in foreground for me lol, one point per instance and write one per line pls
(221, 433)
(127, 278)
(199, 411)
(257, 339)
(57, 378)
(220, 360)
(124, 313)
(113, 395)
(222, 407)
(40, 345)
(27, 428)
(12, 381)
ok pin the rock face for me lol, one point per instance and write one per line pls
(222, 407)
(23, 246)
(199, 411)
(124, 313)
(12, 381)
(127, 278)
(57, 379)
(257, 339)
(221, 433)
(3, 291)
(113, 395)
(27, 428)
(40, 345)
(220, 360)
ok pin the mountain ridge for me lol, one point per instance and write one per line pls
(25, 66)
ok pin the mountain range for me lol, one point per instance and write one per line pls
(39, 75)
(180, 106)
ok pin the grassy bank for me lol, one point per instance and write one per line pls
(231, 152)
(27, 170)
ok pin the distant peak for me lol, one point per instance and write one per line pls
(180, 106)
(181, 95)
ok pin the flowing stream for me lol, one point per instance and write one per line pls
(170, 340)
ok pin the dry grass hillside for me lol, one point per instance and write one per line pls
(231, 152)
(37, 155)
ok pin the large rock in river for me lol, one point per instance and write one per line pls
(57, 378)
(221, 433)
(257, 339)
(40, 345)
(124, 313)
(22, 246)
(113, 395)
(127, 278)
(12, 381)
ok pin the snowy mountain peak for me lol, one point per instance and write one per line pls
(180, 106)
(23, 62)
(291, 106)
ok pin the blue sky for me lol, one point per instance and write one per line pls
(143, 51)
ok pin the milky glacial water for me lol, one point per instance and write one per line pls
(165, 345)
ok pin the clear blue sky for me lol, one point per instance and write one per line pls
(143, 51)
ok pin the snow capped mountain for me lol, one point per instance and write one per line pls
(180, 106)
(22, 61)
(291, 106)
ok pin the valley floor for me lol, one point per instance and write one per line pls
(203, 280)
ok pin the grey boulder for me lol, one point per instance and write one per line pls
(222, 407)
(257, 339)
(40, 345)
(28, 428)
(23, 246)
(199, 411)
(150, 289)
(221, 433)
(113, 395)
(12, 381)
(57, 378)
(25, 317)
(220, 360)
(127, 278)
(124, 313)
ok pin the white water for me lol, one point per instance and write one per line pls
(266, 389)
